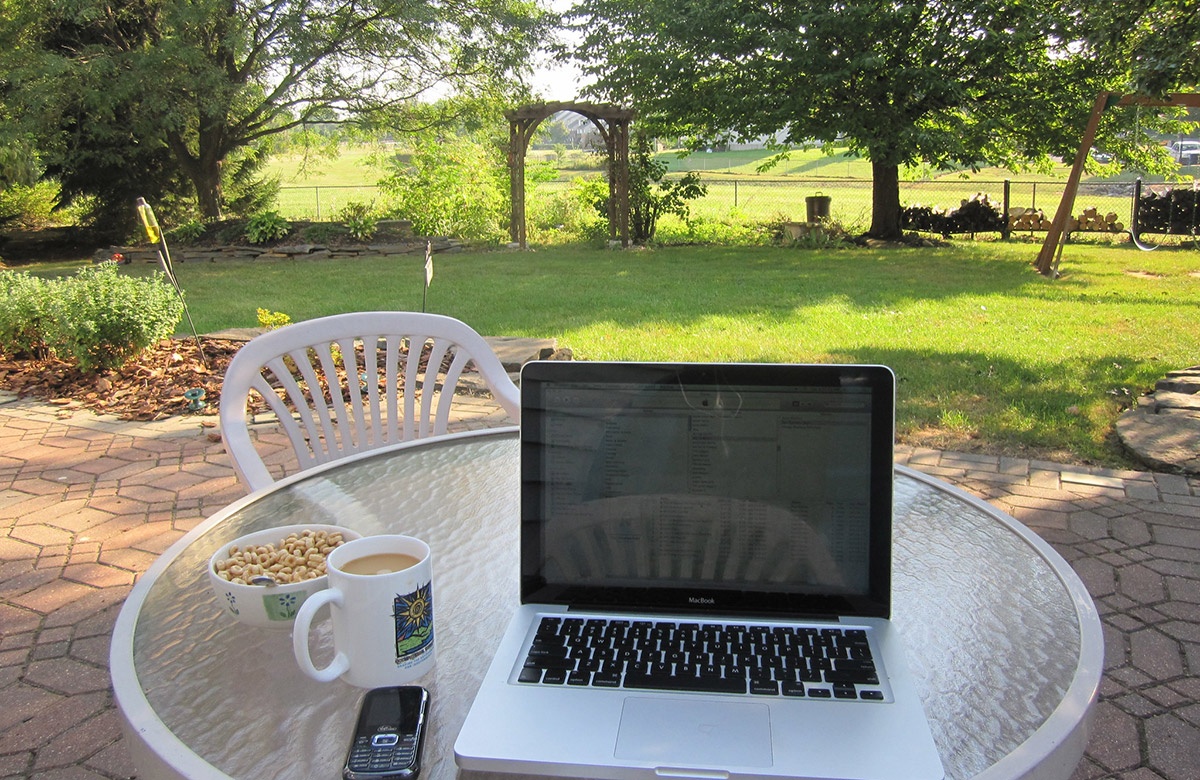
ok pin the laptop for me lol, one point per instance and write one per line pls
(705, 580)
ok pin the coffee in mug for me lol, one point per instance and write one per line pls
(380, 563)
(381, 605)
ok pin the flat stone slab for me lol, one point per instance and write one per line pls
(1164, 401)
(515, 351)
(1167, 442)
(1163, 431)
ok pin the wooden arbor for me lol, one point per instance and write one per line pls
(1055, 236)
(613, 124)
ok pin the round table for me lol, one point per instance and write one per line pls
(1003, 639)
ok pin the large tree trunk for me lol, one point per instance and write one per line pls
(208, 190)
(885, 201)
(202, 167)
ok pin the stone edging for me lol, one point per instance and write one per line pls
(149, 254)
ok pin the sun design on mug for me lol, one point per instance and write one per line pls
(414, 620)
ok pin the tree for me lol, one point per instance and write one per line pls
(1158, 39)
(950, 83)
(193, 85)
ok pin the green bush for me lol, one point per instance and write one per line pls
(100, 319)
(731, 231)
(564, 214)
(451, 186)
(266, 226)
(186, 233)
(360, 220)
(322, 232)
(23, 303)
(28, 206)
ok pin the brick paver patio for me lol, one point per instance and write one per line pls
(87, 503)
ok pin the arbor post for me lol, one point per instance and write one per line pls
(613, 124)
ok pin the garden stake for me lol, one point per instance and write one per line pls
(428, 273)
(155, 234)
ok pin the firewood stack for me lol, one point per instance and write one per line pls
(1090, 220)
(1020, 218)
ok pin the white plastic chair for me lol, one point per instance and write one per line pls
(382, 389)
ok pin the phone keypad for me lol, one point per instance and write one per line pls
(382, 753)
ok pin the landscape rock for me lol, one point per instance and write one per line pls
(1163, 429)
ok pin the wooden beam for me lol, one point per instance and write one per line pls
(1054, 235)
(1104, 101)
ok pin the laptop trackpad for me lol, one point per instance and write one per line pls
(681, 734)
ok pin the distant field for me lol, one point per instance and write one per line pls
(319, 189)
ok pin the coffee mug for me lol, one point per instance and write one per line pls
(381, 604)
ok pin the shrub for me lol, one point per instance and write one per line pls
(360, 220)
(23, 302)
(650, 195)
(266, 226)
(451, 186)
(28, 206)
(272, 320)
(101, 319)
(322, 232)
(732, 231)
(188, 232)
(563, 214)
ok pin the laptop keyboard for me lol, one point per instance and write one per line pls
(824, 663)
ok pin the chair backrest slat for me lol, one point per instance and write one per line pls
(353, 382)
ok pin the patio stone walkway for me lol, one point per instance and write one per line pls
(88, 502)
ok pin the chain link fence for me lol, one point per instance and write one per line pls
(849, 199)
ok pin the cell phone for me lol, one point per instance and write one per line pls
(389, 735)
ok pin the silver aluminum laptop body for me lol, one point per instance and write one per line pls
(714, 500)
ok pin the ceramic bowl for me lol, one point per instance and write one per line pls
(267, 606)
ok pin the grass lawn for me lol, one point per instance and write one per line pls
(988, 353)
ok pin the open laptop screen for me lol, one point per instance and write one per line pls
(740, 488)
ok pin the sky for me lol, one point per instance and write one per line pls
(556, 82)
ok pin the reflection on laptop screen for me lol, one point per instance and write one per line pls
(704, 487)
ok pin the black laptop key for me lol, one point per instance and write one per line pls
(539, 651)
(844, 691)
(606, 679)
(530, 675)
(566, 664)
(790, 688)
(852, 671)
(763, 685)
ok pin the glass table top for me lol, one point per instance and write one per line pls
(999, 637)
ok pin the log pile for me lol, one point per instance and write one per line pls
(1090, 220)
(1020, 218)
(974, 215)
(1174, 212)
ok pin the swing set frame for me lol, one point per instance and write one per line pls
(1056, 235)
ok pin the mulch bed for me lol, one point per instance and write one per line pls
(149, 387)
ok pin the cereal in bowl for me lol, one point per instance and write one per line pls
(298, 557)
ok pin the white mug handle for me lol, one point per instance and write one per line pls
(340, 663)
